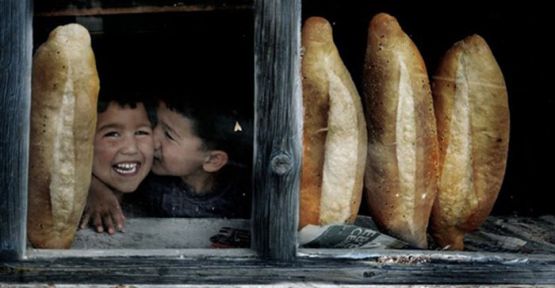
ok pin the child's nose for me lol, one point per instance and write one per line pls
(130, 146)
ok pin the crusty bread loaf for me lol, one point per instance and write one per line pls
(401, 171)
(63, 117)
(334, 139)
(472, 112)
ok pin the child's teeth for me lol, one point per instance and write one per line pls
(127, 165)
(126, 168)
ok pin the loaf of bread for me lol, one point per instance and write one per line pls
(471, 106)
(334, 139)
(401, 170)
(65, 89)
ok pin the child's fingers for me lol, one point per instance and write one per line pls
(97, 222)
(109, 224)
(119, 219)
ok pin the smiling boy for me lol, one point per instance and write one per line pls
(123, 149)
(123, 146)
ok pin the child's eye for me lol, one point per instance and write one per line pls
(168, 135)
(143, 132)
(111, 134)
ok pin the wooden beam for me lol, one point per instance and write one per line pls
(237, 270)
(15, 98)
(277, 154)
(100, 7)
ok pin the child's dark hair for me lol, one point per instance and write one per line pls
(126, 99)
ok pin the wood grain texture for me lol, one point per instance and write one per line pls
(278, 119)
(384, 269)
(337, 266)
(99, 7)
(15, 95)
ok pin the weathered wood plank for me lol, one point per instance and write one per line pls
(514, 234)
(277, 127)
(423, 256)
(163, 270)
(103, 7)
(15, 95)
(284, 284)
(190, 254)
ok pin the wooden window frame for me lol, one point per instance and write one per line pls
(277, 146)
(277, 154)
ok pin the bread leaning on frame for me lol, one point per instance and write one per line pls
(471, 105)
(334, 132)
(65, 89)
(401, 172)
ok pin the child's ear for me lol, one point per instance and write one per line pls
(215, 160)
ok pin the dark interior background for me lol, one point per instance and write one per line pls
(210, 54)
(517, 33)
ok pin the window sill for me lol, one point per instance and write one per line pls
(242, 266)
(162, 233)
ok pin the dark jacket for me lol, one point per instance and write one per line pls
(168, 196)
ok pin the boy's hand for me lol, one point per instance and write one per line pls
(103, 210)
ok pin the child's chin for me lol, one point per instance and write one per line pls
(128, 188)
(129, 191)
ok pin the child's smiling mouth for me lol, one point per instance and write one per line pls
(127, 168)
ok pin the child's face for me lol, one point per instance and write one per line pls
(123, 147)
(178, 150)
